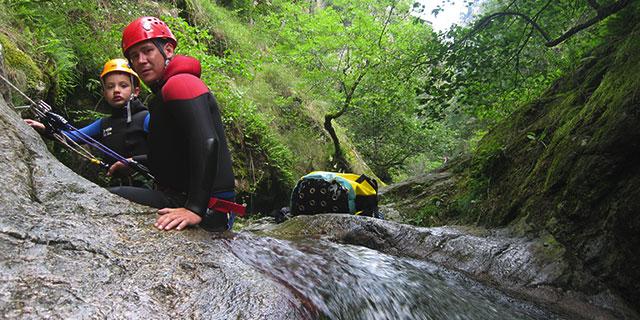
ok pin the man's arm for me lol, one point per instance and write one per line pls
(194, 117)
(188, 98)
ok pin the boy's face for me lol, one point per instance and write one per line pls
(147, 61)
(117, 88)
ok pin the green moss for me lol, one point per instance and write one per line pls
(549, 249)
(488, 159)
(20, 64)
(614, 85)
(427, 215)
(290, 229)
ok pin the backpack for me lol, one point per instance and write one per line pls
(330, 192)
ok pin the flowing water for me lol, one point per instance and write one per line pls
(339, 281)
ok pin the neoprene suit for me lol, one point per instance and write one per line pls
(127, 138)
(188, 152)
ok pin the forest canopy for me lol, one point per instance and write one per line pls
(365, 79)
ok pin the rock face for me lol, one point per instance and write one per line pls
(70, 249)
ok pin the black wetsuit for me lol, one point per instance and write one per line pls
(126, 136)
(188, 152)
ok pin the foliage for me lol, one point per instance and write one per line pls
(361, 57)
(485, 74)
(381, 133)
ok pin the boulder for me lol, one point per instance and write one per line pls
(70, 249)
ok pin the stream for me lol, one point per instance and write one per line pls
(338, 281)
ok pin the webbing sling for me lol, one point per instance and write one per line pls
(224, 206)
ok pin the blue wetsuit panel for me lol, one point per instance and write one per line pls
(146, 123)
(92, 130)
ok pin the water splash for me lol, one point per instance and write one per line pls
(350, 282)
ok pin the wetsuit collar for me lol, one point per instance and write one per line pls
(177, 65)
(182, 64)
(135, 105)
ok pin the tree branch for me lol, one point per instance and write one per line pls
(603, 12)
(594, 4)
(484, 22)
(386, 23)
(528, 37)
(513, 2)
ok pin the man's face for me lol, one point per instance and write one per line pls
(147, 61)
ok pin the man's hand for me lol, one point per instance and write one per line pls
(178, 218)
(119, 167)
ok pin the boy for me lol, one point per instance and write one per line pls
(125, 130)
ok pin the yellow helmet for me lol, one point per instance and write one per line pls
(121, 65)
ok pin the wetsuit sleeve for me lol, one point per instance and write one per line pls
(194, 117)
(189, 100)
(92, 130)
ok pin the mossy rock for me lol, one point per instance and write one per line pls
(20, 67)
(563, 168)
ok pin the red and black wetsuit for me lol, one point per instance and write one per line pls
(188, 152)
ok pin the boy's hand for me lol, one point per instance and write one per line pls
(120, 168)
(38, 126)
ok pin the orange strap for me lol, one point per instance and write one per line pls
(225, 206)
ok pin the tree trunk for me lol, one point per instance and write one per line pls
(339, 161)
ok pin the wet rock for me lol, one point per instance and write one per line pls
(70, 249)
(533, 269)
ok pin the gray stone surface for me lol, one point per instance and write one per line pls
(70, 249)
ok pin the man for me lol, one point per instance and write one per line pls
(188, 153)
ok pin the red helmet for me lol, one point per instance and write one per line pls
(145, 28)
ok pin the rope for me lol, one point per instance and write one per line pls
(82, 152)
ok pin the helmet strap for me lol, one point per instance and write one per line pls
(131, 97)
(160, 45)
(128, 106)
(133, 86)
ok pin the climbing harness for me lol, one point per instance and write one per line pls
(224, 206)
(55, 124)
